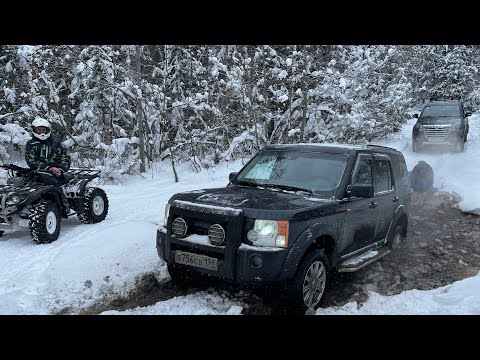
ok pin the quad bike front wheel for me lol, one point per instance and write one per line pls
(44, 222)
(95, 206)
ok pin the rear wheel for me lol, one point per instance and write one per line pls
(95, 206)
(44, 222)
(396, 238)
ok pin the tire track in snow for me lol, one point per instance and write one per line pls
(27, 274)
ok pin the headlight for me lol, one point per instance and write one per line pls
(13, 200)
(269, 233)
(457, 126)
(418, 126)
(165, 216)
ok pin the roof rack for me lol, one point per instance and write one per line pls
(380, 146)
(435, 98)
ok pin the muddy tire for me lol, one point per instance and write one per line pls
(305, 290)
(44, 222)
(96, 206)
(396, 238)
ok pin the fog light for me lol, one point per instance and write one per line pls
(256, 261)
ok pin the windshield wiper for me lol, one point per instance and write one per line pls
(290, 188)
(246, 183)
(273, 186)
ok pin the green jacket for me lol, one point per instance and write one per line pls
(47, 153)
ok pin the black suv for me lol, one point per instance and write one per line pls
(293, 214)
(441, 122)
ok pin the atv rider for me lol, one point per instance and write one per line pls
(44, 152)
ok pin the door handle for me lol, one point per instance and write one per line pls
(372, 205)
(395, 198)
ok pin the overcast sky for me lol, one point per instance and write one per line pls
(90, 262)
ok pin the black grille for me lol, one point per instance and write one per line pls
(199, 219)
(200, 226)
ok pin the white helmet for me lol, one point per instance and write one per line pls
(41, 122)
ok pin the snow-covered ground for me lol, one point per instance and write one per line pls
(93, 261)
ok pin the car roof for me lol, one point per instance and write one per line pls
(443, 102)
(329, 147)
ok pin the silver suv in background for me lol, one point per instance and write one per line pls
(441, 123)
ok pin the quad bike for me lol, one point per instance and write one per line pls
(27, 202)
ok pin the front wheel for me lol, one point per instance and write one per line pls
(95, 206)
(44, 222)
(305, 290)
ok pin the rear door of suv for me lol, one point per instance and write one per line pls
(386, 198)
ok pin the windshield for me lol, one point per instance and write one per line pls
(441, 110)
(319, 173)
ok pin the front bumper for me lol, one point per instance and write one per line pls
(449, 137)
(245, 264)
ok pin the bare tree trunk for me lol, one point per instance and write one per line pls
(172, 158)
(266, 120)
(166, 140)
(139, 115)
(304, 114)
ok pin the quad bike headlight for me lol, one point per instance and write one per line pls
(12, 200)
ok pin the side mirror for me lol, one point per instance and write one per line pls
(468, 113)
(232, 175)
(360, 190)
(415, 116)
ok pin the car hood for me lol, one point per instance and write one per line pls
(254, 200)
(440, 120)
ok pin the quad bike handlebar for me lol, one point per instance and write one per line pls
(16, 170)
(72, 173)
(13, 167)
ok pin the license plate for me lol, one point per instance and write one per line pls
(201, 261)
(435, 139)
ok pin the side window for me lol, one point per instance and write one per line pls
(383, 176)
(363, 172)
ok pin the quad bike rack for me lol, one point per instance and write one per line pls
(76, 180)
